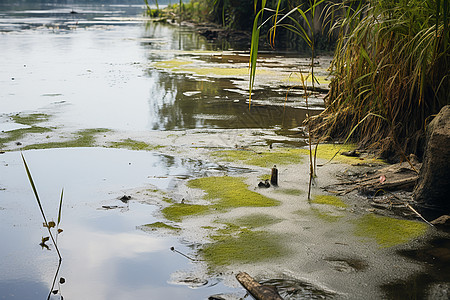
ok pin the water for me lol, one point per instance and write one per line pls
(90, 70)
(98, 69)
(105, 255)
(93, 69)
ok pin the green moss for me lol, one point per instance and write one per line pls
(292, 192)
(177, 211)
(230, 192)
(387, 231)
(30, 119)
(134, 145)
(262, 159)
(160, 225)
(85, 138)
(245, 247)
(329, 200)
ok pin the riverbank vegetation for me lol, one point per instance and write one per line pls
(390, 71)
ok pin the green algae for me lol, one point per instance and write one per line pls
(325, 216)
(245, 247)
(265, 159)
(264, 177)
(321, 79)
(256, 220)
(171, 64)
(226, 72)
(30, 119)
(328, 151)
(17, 134)
(388, 232)
(230, 192)
(320, 214)
(328, 200)
(291, 192)
(134, 145)
(160, 225)
(178, 211)
(84, 138)
(193, 67)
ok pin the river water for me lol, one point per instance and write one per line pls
(90, 66)
(93, 69)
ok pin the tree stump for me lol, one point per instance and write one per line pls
(433, 187)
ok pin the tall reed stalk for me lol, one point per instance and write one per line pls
(47, 224)
(393, 60)
(300, 21)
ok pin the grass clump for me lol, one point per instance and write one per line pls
(230, 192)
(85, 138)
(262, 159)
(177, 211)
(389, 232)
(329, 200)
(244, 247)
(134, 145)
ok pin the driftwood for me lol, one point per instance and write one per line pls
(402, 176)
(258, 291)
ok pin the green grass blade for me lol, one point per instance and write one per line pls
(60, 206)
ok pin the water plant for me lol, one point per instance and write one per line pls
(49, 225)
(304, 28)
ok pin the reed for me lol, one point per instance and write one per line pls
(49, 226)
(391, 60)
(299, 20)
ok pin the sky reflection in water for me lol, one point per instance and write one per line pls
(105, 256)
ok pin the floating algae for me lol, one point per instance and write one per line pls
(387, 231)
(230, 192)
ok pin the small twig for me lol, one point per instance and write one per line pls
(175, 250)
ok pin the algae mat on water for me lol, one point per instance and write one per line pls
(387, 231)
(230, 192)
(245, 247)
(286, 156)
(227, 192)
(265, 159)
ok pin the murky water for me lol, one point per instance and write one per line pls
(89, 70)
(105, 256)
(98, 68)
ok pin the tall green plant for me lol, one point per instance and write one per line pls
(300, 21)
(392, 59)
(49, 226)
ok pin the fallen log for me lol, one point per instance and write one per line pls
(258, 291)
